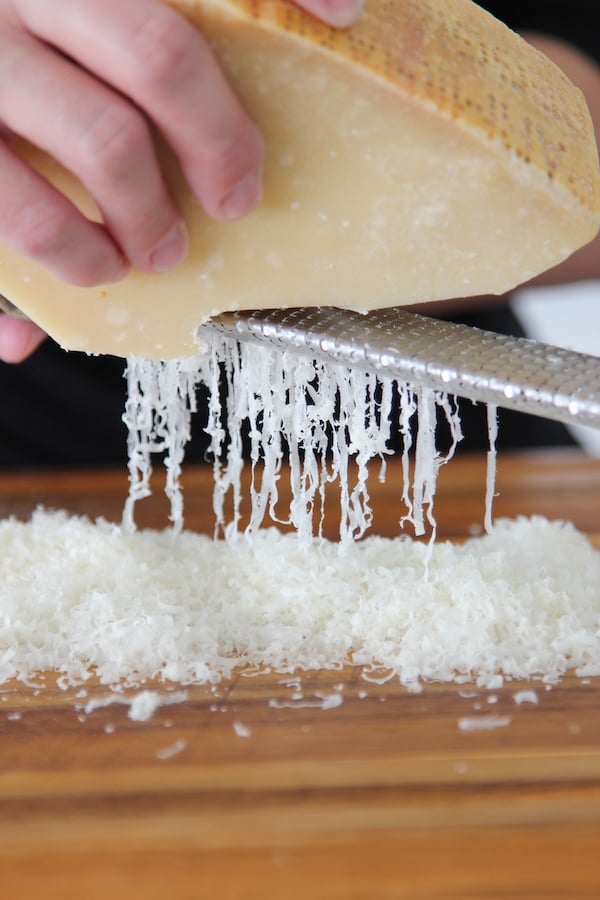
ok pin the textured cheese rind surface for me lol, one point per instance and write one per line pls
(424, 154)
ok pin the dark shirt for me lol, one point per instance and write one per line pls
(64, 409)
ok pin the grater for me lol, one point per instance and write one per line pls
(516, 373)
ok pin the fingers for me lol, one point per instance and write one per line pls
(40, 223)
(153, 56)
(104, 141)
(339, 13)
(18, 339)
(84, 80)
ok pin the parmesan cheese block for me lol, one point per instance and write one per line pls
(426, 153)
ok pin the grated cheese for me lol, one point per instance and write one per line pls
(492, 422)
(171, 750)
(298, 701)
(129, 606)
(161, 398)
(142, 705)
(241, 730)
(520, 602)
(483, 723)
(318, 414)
(525, 697)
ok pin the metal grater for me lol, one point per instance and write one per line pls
(516, 373)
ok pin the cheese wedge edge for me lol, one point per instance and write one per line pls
(426, 153)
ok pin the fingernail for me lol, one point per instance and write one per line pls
(171, 249)
(243, 198)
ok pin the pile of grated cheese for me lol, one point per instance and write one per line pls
(86, 598)
(89, 598)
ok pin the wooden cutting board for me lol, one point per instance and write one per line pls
(252, 789)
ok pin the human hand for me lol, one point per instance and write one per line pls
(85, 80)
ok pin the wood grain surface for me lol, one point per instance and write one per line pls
(244, 790)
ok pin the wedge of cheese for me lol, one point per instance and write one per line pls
(426, 153)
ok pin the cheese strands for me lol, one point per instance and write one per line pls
(426, 153)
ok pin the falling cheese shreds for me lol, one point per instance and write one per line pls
(81, 597)
(317, 415)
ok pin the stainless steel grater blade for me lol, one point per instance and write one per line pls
(516, 373)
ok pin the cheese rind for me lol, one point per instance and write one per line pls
(426, 153)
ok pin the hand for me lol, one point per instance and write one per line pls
(83, 80)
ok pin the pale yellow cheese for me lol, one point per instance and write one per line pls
(426, 153)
